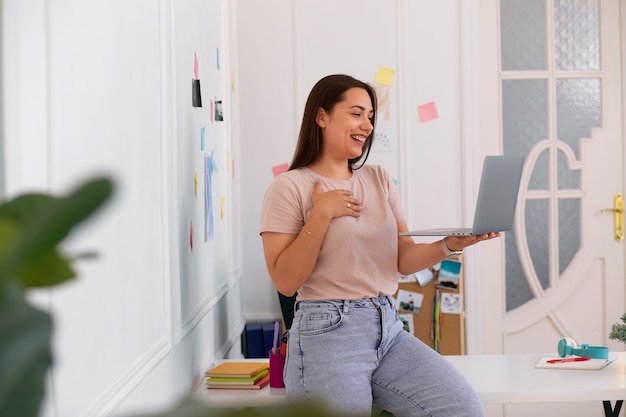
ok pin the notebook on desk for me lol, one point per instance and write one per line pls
(590, 364)
(497, 198)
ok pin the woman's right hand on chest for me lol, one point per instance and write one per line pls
(335, 203)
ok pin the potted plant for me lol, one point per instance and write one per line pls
(618, 331)
(32, 226)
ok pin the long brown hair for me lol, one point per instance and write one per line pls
(327, 92)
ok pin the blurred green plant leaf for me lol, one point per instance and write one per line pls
(48, 270)
(9, 231)
(31, 228)
(23, 208)
(43, 222)
(192, 407)
(25, 354)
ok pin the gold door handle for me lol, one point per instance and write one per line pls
(618, 216)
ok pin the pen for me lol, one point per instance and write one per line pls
(578, 359)
(275, 345)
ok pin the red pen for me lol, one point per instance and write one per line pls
(577, 359)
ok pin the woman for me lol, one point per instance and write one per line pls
(330, 229)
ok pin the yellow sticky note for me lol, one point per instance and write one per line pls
(195, 184)
(222, 204)
(384, 76)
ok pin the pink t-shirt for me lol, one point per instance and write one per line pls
(359, 256)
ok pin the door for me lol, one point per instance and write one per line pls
(551, 90)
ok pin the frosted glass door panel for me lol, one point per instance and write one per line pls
(524, 114)
(576, 32)
(551, 101)
(578, 110)
(523, 35)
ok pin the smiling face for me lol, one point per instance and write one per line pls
(347, 126)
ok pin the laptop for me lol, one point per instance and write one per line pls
(497, 199)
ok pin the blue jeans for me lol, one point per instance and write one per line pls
(354, 353)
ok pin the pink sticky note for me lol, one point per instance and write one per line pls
(427, 112)
(279, 169)
(195, 65)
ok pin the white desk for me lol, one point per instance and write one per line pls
(503, 379)
(499, 379)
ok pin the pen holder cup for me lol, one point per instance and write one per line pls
(277, 365)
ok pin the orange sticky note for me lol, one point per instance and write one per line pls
(279, 169)
(384, 76)
(427, 112)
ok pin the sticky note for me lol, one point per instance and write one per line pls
(202, 129)
(209, 169)
(427, 112)
(195, 66)
(222, 204)
(279, 169)
(195, 184)
(384, 76)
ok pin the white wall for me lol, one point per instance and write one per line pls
(95, 87)
(284, 47)
(99, 87)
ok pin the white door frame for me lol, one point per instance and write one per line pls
(475, 68)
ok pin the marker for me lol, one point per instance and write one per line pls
(578, 359)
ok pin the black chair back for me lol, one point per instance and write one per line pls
(287, 305)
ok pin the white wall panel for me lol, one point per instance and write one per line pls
(268, 129)
(434, 152)
(284, 47)
(104, 118)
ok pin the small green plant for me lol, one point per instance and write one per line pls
(618, 331)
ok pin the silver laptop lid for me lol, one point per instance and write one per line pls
(497, 195)
(496, 202)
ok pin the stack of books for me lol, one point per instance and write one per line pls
(238, 375)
